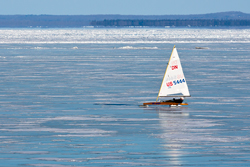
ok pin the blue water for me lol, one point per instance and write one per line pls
(64, 107)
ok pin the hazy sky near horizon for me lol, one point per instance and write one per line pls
(126, 7)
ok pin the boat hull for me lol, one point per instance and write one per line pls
(164, 103)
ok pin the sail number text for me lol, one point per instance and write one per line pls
(175, 82)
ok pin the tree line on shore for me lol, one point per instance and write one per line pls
(171, 23)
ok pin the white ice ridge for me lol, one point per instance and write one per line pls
(131, 47)
(143, 35)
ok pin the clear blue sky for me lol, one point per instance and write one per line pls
(135, 7)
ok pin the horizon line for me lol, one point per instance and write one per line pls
(119, 14)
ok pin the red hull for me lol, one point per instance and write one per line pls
(164, 103)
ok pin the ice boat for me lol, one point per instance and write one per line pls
(173, 83)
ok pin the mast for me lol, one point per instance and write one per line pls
(165, 73)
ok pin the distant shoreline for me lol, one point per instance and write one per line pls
(212, 20)
(172, 23)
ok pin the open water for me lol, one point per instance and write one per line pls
(70, 97)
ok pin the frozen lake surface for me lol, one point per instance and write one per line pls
(70, 97)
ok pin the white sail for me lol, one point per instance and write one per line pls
(174, 82)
